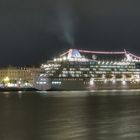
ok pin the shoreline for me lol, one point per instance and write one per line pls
(17, 89)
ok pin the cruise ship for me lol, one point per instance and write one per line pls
(84, 70)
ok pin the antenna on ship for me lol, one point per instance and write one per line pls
(131, 57)
(125, 51)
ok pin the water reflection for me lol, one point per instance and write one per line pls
(69, 116)
(6, 94)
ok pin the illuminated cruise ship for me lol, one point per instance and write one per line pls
(74, 71)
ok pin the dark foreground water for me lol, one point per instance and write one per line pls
(70, 115)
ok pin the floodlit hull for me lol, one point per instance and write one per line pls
(84, 84)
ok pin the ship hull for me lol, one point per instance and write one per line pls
(84, 84)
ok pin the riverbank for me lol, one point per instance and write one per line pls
(17, 89)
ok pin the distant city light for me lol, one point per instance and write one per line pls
(124, 82)
(6, 79)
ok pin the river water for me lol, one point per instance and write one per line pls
(113, 115)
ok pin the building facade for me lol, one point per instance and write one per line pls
(18, 75)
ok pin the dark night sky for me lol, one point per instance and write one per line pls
(32, 31)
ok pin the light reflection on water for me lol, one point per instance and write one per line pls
(88, 93)
(98, 115)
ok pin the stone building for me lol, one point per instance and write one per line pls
(17, 75)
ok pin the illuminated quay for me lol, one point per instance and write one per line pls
(17, 77)
(74, 71)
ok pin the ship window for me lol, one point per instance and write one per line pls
(56, 82)
(137, 65)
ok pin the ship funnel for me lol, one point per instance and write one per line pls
(74, 53)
